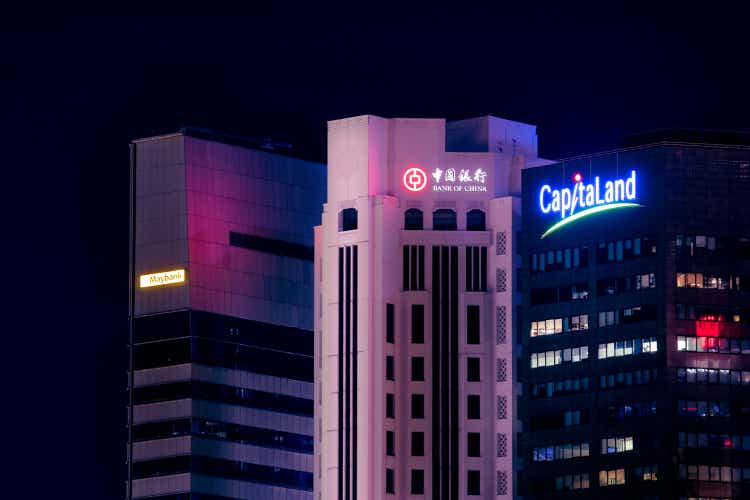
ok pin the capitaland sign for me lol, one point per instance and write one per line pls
(448, 180)
(163, 278)
(586, 199)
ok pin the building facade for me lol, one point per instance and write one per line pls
(636, 323)
(415, 268)
(221, 398)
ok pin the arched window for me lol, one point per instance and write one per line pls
(348, 219)
(475, 220)
(413, 219)
(444, 219)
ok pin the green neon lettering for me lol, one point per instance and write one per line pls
(585, 213)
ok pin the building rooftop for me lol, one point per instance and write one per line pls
(687, 136)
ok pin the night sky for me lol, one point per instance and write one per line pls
(76, 90)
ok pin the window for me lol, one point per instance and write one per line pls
(417, 324)
(559, 387)
(413, 219)
(390, 443)
(390, 486)
(417, 482)
(472, 482)
(576, 291)
(617, 251)
(572, 482)
(713, 376)
(646, 345)
(559, 356)
(472, 324)
(390, 322)
(555, 260)
(389, 375)
(719, 345)
(472, 444)
(390, 406)
(472, 407)
(413, 267)
(611, 477)
(417, 444)
(475, 220)
(616, 445)
(553, 326)
(417, 368)
(348, 219)
(560, 452)
(417, 406)
(476, 269)
(472, 369)
(628, 284)
(444, 219)
(703, 408)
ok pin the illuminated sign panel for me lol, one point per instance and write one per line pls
(415, 179)
(447, 180)
(164, 278)
(587, 199)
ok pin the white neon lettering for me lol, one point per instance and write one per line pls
(548, 207)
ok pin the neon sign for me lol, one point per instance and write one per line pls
(587, 199)
(164, 278)
(415, 179)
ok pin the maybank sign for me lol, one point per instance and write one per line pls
(163, 278)
(585, 199)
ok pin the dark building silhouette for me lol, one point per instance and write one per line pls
(635, 365)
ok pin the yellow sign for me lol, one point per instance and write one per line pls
(165, 278)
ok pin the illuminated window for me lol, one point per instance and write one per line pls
(616, 445)
(611, 477)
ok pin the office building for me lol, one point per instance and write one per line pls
(221, 319)
(635, 364)
(416, 259)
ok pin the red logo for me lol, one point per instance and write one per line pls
(415, 179)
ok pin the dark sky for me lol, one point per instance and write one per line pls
(75, 90)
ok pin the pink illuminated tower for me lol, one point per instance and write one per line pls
(415, 313)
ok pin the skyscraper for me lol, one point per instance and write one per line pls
(636, 343)
(221, 319)
(416, 258)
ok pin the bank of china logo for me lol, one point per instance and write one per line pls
(589, 198)
(415, 179)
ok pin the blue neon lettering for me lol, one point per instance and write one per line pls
(566, 201)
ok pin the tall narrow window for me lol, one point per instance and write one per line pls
(472, 482)
(417, 369)
(413, 267)
(472, 369)
(390, 406)
(390, 323)
(472, 407)
(472, 444)
(444, 219)
(475, 220)
(417, 444)
(389, 369)
(417, 406)
(390, 486)
(472, 324)
(390, 443)
(413, 219)
(348, 219)
(476, 269)
(417, 324)
(417, 482)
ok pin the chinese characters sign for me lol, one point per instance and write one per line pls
(449, 180)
